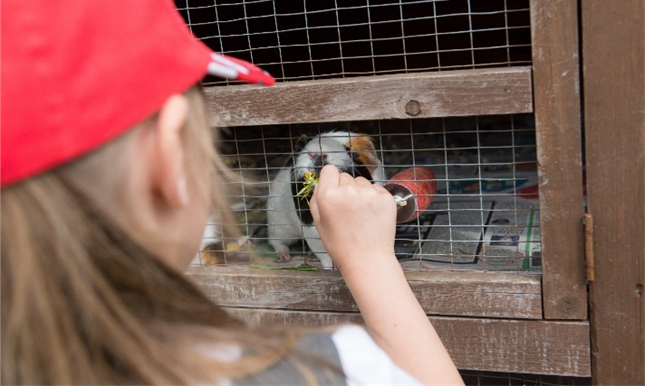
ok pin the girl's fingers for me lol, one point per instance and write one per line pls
(313, 205)
(329, 177)
(345, 179)
(362, 181)
(379, 188)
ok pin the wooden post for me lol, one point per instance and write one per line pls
(556, 83)
(613, 36)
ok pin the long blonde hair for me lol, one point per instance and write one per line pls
(83, 304)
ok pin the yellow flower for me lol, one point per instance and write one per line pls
(309, 183)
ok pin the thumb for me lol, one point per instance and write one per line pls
(313, 205)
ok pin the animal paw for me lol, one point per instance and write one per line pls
(282, 253)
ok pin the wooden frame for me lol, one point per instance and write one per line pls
(518, 346)
(321, 298)
(421, 95)
(614, 94)
(489, 321)
(472, 294)
(556, 77)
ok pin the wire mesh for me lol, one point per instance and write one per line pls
(482, 378)
(483, 215)
(308, 40)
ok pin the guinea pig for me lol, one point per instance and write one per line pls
(288, 216)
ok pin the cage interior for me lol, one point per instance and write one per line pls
(309, 40)
(483, 214)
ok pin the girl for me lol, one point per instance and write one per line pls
(107, 183)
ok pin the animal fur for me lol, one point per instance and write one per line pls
(289, 218)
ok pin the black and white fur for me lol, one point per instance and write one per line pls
(288, 216)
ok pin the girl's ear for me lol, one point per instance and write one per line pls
(170, 168)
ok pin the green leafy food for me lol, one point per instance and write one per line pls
(309, 183)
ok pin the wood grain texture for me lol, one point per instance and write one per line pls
(452, 293)
(539, 347)
(438, 94)
(613, 35)
(558, 131)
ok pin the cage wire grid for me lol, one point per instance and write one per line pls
(480, 163)
(484, 214)
(485, 166)
(309, 40)
(485, 378)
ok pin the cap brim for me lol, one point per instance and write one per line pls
(231, 68)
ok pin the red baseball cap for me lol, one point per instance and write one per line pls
(78, 73)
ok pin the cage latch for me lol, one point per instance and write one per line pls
(589, 254)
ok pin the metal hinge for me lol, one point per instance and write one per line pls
(589, 255)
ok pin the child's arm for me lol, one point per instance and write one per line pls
(356, 222)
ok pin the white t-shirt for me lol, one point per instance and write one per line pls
(364, 362)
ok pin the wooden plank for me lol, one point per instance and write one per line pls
(558, 133)
(613, 35)
(538, 347)
(421, 95)
(451, 293)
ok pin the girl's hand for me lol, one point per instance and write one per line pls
(356, 222)
(356, 219)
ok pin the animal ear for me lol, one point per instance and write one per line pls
(300, 143)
